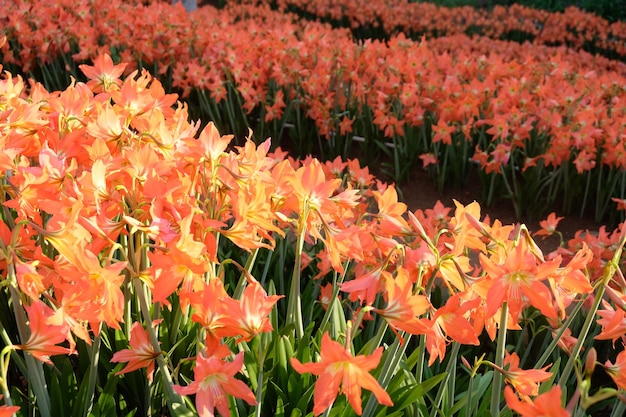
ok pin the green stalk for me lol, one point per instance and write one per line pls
(394, 354)
(7, 342)
(586, 194)
(294, 306)
(4, 367)
(609, 270)
(259, 384)
(174, 401)
(241, 285)
(619, 409)
(448, 379)
(470, 389)
(419, 370)
(93, 372)
(333, 300)
(497, 376)
(548, 351)
(396, 158)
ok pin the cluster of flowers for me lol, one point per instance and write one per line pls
(110, 200)
(573, 27)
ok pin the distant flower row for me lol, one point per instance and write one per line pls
(557, 115)
(573, 27)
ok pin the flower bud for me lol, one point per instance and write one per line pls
(590, 362)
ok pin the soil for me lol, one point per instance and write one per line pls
(421, 193)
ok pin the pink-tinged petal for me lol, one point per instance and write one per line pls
(370, 383)
(207, 400)
(326, 390)
(495, 296)
(311, 367)
(369, 362)
(188, 389)
(351, 386)
(540, 297)
(238, 389)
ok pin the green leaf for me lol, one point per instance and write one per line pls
(480, 385)
(282, 359)
(305, 399)
(383, 413)
(179, 410)
(106, 402)
(296, 413)
(410, 394)
(57, 400)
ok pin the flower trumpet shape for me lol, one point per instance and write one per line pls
(340, 372)
(140, 355)
(214, 378)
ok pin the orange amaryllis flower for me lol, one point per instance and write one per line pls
(312, 188)
(617, 370)
(213, 311)
(403, 307)
(518, 281)
(548, 226)
(44, 336)
(141, 353)
(340, 372)
(210, 145)
(103, 75)
(213, 379)
(572, 279)
(525, 381)
(613, 323)
(545, 405)
(450, 322)
(250, 313)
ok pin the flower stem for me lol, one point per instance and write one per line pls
(4, 366)
(496, 388)
(294, 306)
(450, 368)
(174, 401)
(93, 372)
(259, 386)
(394, 354)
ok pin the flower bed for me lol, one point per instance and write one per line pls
(149, 264)
(369, 19)
(554, 114)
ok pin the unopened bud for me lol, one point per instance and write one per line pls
(466, 363)
(590, 362)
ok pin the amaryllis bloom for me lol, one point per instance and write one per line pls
(340, 372)
(213, 379)
(549, 225)
(525, 381)
(403, 307)
(44, 336)
(545, 405)
(617, 370)
(103, 75)
(517, 280)
(250, 314)
(141, 353)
